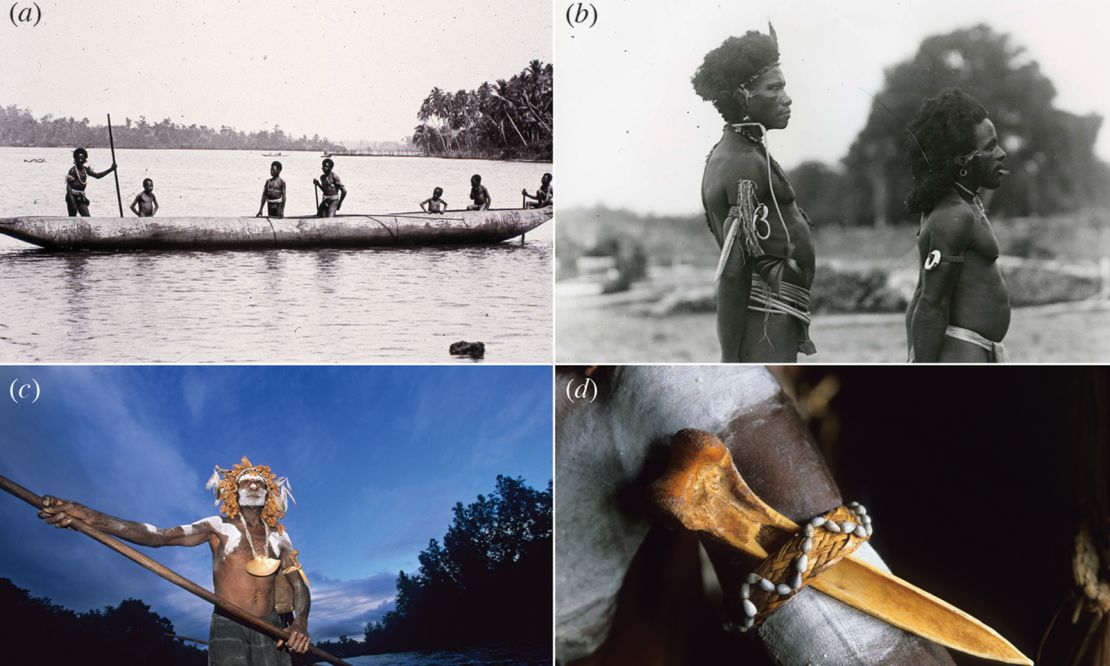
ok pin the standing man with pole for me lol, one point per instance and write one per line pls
(112, 144)
(76, 181)
(249, 551)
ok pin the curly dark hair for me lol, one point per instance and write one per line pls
(942, 129)
(728, 66)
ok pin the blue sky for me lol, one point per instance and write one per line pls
(377, 457)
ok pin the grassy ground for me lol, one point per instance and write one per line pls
(615, 334)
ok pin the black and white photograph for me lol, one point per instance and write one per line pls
(257, 182)
(825, 183)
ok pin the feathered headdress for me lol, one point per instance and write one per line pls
(224, 484)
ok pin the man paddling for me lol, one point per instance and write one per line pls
(960, 310)
(76, 201)
(332, 188)
(249, 549)
(545, 196)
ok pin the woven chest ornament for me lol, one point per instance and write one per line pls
(703, 492)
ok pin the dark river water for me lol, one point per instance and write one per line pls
(273, 306)
(478, 657)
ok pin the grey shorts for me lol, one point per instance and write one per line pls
(232, 644)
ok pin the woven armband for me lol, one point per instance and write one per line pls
(820, 544)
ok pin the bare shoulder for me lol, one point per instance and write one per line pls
(209, 525)
(280, 540)
(730, 165)
(951, 220)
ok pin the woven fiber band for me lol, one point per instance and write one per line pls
(820, 544)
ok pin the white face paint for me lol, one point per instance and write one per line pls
(252, 495)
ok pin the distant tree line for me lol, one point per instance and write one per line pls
(489, 583)
(1051, 151)
(36, 631)
(506, 119)
(19, 128)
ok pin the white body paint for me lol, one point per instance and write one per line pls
(230, 533)
(252, 498)
(150, 528)
(278, 541)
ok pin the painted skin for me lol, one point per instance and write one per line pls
(971, 294)
(230, 552)
(741, 333)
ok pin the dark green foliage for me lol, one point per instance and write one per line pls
(19, 128)
(488, 583)
(1051, 152)
(36, 631)
(507, 119)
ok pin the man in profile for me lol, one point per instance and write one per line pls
(767, 258)
(242, 540)
(960, 310)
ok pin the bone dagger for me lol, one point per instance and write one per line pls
(703, 491)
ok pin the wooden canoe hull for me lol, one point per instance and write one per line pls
(199, 233)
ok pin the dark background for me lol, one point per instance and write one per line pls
(977, 477)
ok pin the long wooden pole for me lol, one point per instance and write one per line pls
(231, 610)
(115, 172)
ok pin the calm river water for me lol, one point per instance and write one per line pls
(275, 306)
(477, 657)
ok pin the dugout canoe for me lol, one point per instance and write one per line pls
(247, 233)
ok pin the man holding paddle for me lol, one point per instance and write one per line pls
(76, 201)
(249, 549)
(332, 189)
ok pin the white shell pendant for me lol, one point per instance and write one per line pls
(263, 566)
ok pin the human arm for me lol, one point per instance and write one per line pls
(948, 233)
(262, 204)
(135, 205)
(101, 174)
(489, 200)
(62, 513)
(342, 192)
(736, 267)
(155, 200)
(424, 204)
(298, 631)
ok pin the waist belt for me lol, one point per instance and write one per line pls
(790, 300)
(996, 350)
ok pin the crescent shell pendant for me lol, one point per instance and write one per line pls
(263, 566)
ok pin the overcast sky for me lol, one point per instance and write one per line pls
(632, 133)
(345, 69)
(377, 457)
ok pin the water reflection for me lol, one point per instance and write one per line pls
(297, 306)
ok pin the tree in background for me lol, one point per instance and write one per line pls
(488, 583)
(504, 119)
(1051, 152)
(36, 631)
(19, 128)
